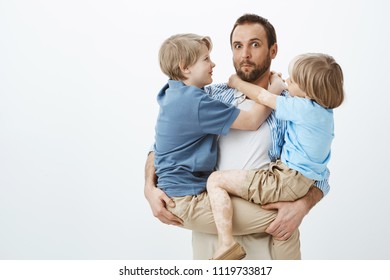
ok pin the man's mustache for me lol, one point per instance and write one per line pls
(247, 62)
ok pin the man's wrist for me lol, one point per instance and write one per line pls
(148, 189)
(313, 196)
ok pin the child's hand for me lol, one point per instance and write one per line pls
(277, 84)
(274, 75)
(234, 80)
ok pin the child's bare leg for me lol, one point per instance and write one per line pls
(219, 185)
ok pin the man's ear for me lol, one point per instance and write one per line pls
(274, 50)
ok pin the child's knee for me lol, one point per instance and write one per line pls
(214, 180)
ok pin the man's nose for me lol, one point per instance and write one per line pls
(246, 52)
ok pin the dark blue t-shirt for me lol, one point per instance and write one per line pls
(187, 127)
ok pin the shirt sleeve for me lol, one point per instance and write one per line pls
(216, 117)
(323, 185)
(291, 108)
(221, 92)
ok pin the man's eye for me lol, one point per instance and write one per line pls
(256, 45)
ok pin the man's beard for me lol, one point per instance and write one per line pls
(256, 73)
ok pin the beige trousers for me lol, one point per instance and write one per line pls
(258, 246)
(248, 218)
(278, 183)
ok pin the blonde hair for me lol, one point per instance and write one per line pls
(181, 51)
(321, 77)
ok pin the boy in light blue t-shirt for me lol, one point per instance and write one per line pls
(316, 88)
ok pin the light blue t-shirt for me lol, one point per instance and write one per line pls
(308, 137)
(185, 146)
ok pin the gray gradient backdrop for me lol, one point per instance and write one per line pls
(78, 81)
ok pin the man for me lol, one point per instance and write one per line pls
(253, 42)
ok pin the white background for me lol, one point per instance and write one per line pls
(78, 85)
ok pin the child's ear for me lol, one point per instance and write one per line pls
(184, 69)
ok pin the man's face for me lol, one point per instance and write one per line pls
(251, 56)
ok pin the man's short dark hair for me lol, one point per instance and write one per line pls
(253, 18)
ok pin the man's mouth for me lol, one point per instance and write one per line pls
(246, 65)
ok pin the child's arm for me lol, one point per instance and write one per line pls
(258, 93)
(252, 119)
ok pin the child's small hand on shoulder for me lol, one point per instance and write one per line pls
(234, 81)
(277, 84)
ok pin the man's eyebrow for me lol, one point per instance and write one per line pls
(255, 39)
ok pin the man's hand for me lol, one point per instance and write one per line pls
(288, 218)
(158, 201)
(291, 214)
(156, 197)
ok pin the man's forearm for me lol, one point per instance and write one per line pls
(156, 197)
(150, 172)
(313, 196)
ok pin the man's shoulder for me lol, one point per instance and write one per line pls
(221, 92)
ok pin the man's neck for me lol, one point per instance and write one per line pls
(263, 81)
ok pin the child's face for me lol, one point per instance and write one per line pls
(294, 89)
(292, 86)
(200, 74)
